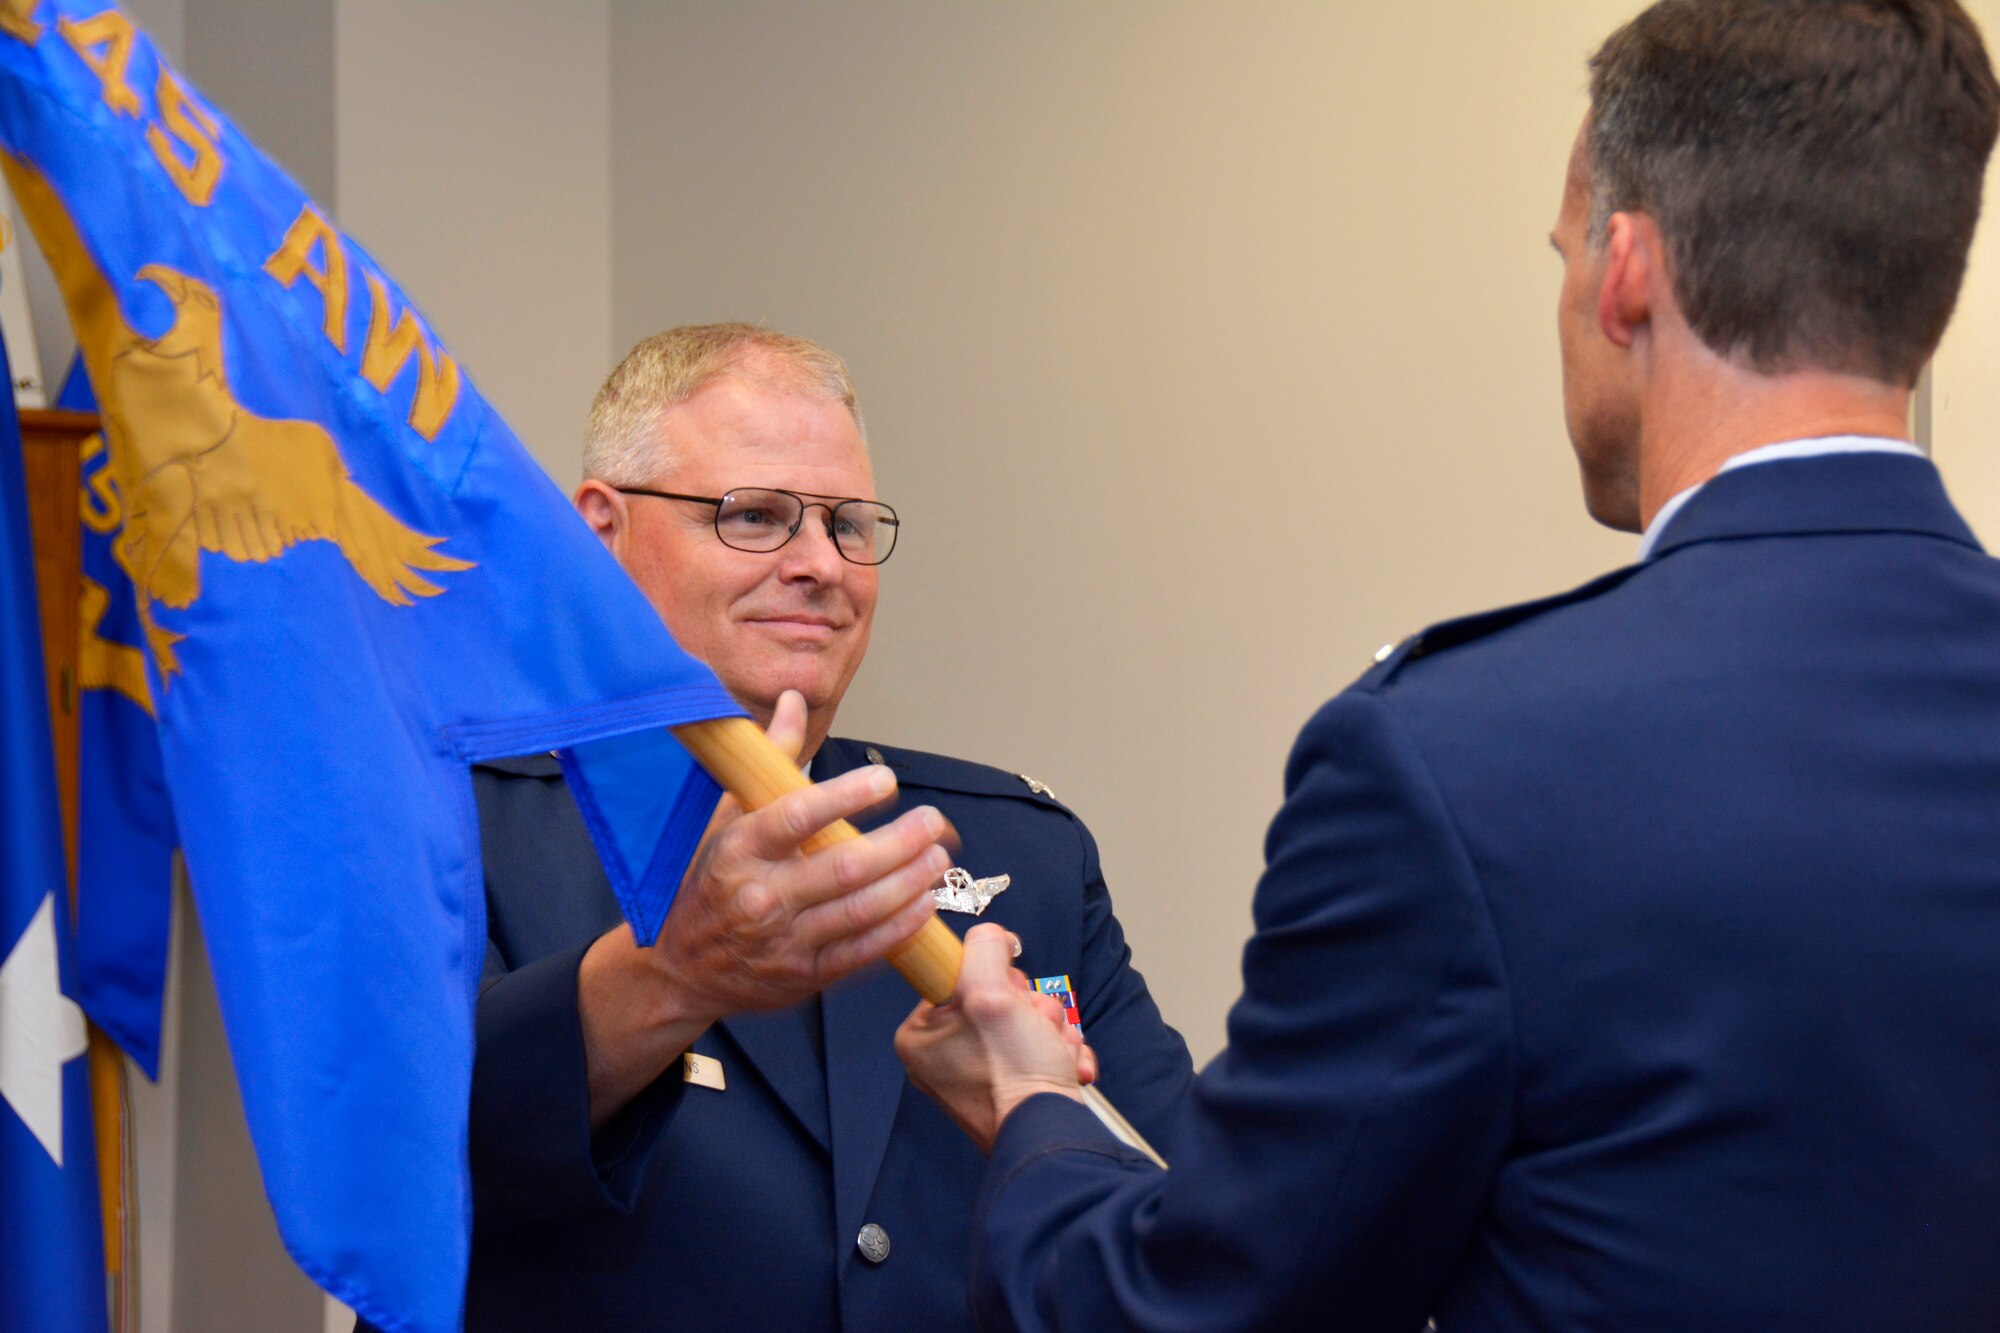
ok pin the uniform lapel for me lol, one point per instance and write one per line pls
(777, 1046)
(864, 1079)
(864, 1082)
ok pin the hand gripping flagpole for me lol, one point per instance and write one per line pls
(738, 754)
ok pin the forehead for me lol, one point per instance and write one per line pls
(1579, 157)
(1576, 177)
(745, 430)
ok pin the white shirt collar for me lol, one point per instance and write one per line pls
(1774, 453)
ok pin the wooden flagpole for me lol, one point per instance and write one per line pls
(738, 754)
(51, 451)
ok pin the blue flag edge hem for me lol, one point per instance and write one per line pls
(674, 706)
(646, 898)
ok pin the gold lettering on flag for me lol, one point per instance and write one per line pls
(195, 130)
(98, 499)
(294, 256)
(17, 19)
(388, 351)
(104, 42)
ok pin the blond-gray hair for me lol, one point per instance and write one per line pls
(620, 446)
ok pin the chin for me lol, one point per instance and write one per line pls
(763, 690)
(1616, 508)
(1610, 479)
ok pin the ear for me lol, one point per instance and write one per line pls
(603, 508)
(1632, 262)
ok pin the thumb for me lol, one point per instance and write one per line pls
(788, 724)
(988, 962)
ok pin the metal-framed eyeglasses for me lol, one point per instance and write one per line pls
(764, 518)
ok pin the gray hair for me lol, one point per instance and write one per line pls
(619, 445)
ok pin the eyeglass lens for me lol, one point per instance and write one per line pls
(759, 520)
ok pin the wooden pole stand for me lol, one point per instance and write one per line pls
(52, 443)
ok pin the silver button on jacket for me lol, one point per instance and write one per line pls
(873, 1242)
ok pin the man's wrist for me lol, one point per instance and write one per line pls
(637, 1021)
(652, 993)
(672, 1005)
(677, 1009)
(1011, 1093)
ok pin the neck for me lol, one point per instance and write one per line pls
(1693, 422)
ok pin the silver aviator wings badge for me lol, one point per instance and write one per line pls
(960, 892)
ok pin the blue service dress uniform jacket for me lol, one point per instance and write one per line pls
(1624, 962)
(740, 1209)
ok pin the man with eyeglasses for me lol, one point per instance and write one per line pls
(714, 1131)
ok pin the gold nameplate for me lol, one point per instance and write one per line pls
(704, 1071)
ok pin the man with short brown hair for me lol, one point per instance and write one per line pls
(1624, 960)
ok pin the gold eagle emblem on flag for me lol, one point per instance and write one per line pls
(193, 468)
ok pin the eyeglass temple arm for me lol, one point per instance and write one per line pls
(738, 754)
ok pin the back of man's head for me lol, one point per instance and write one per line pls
(1814, 166)
(620, 444)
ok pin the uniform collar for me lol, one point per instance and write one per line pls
(834, 757)
(1818, 447)
(1834, 491)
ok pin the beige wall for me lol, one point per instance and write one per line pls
(1204, 347)
(1965, 406)
(474, 162)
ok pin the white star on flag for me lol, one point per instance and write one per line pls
(41, 1030)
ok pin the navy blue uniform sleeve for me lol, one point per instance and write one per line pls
(1145, 1069)
(1332, 1164)
(533, 1155)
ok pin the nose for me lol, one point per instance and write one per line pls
(811, 552)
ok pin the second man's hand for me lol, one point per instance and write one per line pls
(996, 1044)
(756, 925)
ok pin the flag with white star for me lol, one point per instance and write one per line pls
(351, 583)
(51, 1244)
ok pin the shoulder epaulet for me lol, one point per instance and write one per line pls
(1448, 634)
(918, 768)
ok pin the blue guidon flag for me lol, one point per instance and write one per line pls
(51, 1239)
(126, 839)
(348, 582)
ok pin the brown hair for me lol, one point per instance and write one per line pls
(670, 367)
(1814, 166)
